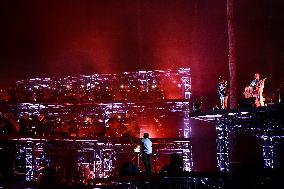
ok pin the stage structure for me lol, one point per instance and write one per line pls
(104, 154)
(142, 85)
(103, 157)
(78, 112)
(266, 123)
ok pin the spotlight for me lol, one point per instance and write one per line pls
(137, 149)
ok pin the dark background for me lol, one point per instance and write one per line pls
(70, 37)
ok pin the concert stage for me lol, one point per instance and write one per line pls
(103, 157)
(82, 130)
(266, 123)
(67, 163)
(97, 117)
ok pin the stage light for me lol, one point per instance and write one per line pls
(137, 149)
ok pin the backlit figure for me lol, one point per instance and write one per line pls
(257, 86)
(223, 92)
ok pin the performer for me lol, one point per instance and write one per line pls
(146, 146)
(257, 86)
(223, 92)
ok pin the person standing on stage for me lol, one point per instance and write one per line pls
(146, 146)
(257, 86)
(223, 92)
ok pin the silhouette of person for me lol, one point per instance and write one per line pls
(223, 92)
(257, 86)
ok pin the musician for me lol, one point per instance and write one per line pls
(223, 91)
(146, 146)
(257, 86)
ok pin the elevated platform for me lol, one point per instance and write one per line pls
(267, 120)
(266, 123)
(241, 113)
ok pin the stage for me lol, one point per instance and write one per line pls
(266, 123)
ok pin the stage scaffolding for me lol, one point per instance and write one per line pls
(102, 156)
(94, 100)
(266, 123)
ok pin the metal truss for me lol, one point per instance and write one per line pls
(187, 157)
(40, 158)
(222, 146)
(187, 147)
(185, 82)
(108, 160)
(30, 156)
(29, 161)
(268, 152)
(186, 124)
(98, 163)
(264, 122)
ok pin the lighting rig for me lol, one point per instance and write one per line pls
(266, 123)
(95, 99)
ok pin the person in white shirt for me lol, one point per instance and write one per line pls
(146, 146)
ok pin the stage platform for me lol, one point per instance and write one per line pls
(240, 113)
(101, 156)
(192, 180)
(267, 123)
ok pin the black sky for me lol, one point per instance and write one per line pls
(70, 37)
